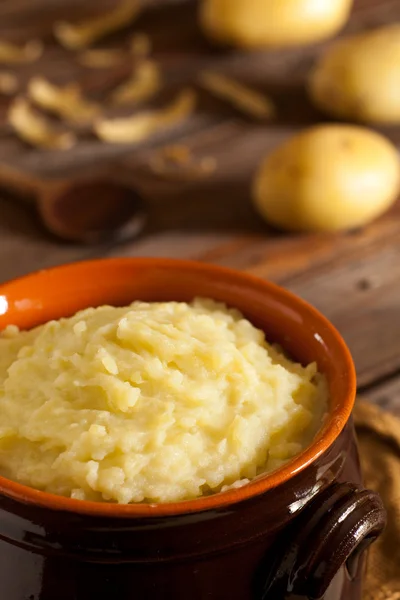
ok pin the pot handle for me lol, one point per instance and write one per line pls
(334, 529)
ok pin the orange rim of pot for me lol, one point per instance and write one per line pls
(295, 324)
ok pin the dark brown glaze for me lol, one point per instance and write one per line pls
(218, 554)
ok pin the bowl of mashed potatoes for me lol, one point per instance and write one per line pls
(164, 414)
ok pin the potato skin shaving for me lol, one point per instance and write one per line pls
(75, 36)
(144, 83)
(9, 83)
(143, 125)
(176, 161)
(66, 102)
(35, 129)
(244, 98)
(140, 45)
(12, 54)
(100, 58)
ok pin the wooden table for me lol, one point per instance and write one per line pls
(354, 278)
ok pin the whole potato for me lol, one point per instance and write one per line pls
(359, 77)
(328, 178)
(258, 23)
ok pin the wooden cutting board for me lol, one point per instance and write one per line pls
(353, 278)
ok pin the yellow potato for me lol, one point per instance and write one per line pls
(359, 77)
(258, 23)
(328, 178)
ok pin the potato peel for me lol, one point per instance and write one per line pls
(80, 35)
(141, 86)
(66, 102)
(100, 59)
(178, 154)
(241, 96)
(35, 129)
(177, 162)
(12, 54)
(140, 45)
(143, 125)
(8, 83)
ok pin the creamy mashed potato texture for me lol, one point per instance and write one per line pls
(154, 402)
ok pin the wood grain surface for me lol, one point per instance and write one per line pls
(353, 278)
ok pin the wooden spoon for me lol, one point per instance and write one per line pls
(88, 209)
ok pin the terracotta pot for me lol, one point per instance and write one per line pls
(298, 532)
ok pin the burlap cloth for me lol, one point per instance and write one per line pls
(379, 439)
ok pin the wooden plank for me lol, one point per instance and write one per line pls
(20, 19)
(362, 299)
(386, 394)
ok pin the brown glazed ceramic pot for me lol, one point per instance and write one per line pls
(299, 532)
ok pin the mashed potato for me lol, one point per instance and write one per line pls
(154, 402)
